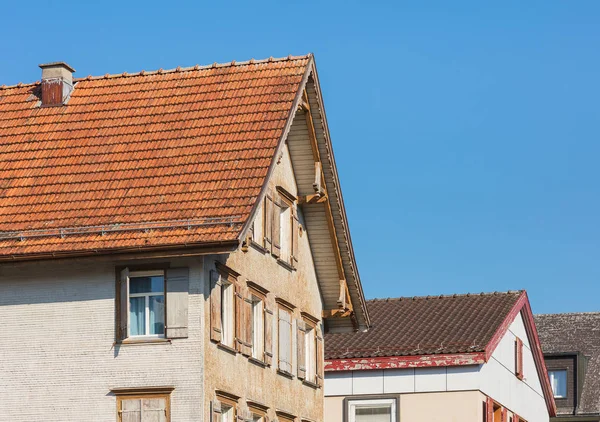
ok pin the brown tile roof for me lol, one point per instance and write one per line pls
(425, 326)
(572, 333)
(182, 154)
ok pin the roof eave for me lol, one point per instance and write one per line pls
(403, 362)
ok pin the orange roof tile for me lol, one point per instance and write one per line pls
(150, 159)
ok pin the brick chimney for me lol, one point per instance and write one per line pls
(57, 83)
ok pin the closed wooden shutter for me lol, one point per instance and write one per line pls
(489, 410)
(504, 415)
(295, 230)
(246, 321)
(215, 306)
(123, 304)
(285, 341)
(268, 357)
(178, 287)
(239, 323)
(216, 411)
(301, 346)
(268, 228)
(519, 358)
(320, 360)
(276, 225)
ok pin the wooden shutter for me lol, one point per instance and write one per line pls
(301, 345)
(320, 360)
(295, 230)
(215, 306)
(178, 287)
(268, 219)
(504, 416)
(516, 418)
(123, 304)
(489, 410)
(276, 225)
(519, 358)
(239, 324)
(268, 358)
(285, 341)
(246, 321)
(215, 411)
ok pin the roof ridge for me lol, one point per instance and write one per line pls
(442, 296)
(214, 65)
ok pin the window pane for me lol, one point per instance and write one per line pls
(257, 329)
(227, 415)
(137, 317)
(151, 284)
(373, 414)
(157, 314)
(558, 379)
(227, 314)
(131, 411)
(153, 410)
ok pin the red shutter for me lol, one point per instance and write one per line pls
(489, 410)
(504, 415)
(519, 358)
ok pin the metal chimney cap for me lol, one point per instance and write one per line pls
(57, 64)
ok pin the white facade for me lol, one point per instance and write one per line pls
(59, 360)
(495, 379)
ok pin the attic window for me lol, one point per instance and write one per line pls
(558, 380)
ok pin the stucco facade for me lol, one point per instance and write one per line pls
(298, 287)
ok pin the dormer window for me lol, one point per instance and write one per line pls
(558, 380)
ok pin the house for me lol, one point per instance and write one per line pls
(473, 357)
(173, 245)
(571, 346)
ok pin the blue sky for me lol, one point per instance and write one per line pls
(466, 133)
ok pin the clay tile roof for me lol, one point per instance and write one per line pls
(425, 325)
(155, 158)
(572, 333)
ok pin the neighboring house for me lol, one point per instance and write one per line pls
(571, 345)
(473, 358)
(169, 244)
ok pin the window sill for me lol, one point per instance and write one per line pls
(141, 340)
(257, 362)
(285, 264)
(228, 349)
(310, 384)
(258, 247)
(285, 374)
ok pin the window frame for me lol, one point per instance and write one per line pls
(230, 401)
(392, 399)
(146, 273)
(566, 384)
(287, 207)
(310, 356)
(258, 295)
(257, 410)
(122, 394)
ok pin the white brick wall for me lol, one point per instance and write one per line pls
(57, 356)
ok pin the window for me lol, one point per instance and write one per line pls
(376, 410)
(258, 412)
(558, 380)
(311, 354)
(228, 413)
(227, 314)
(258, 233)
(147, 303)
(225, 408)
(258, 327)
(285, 339)
(134, 405)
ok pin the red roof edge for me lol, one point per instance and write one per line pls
(399, 362)
(523, 307)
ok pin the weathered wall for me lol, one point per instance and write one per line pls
(58, 358)
(234, 373)
(496, 379)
